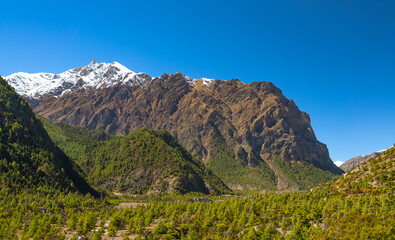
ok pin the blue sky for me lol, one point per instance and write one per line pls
(335, 59)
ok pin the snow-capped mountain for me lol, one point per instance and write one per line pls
(94, 75)
(254, 122)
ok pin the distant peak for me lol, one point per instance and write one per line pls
(92, 64)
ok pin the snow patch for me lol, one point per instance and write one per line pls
(338, 163)
(206, 81)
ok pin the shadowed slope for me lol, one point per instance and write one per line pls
(28, 157)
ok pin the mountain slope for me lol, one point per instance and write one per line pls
(237, 129)
(145, 161)
(356, 161)
(377, 175)
(28, 157)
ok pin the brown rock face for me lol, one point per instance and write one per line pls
(254, 121)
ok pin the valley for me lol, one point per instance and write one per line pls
(197, 120)
(60, 181)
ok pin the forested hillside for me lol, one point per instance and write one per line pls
(372, 177)
(145, 161)
(28, 157)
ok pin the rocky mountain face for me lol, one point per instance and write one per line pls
(356, 161)
(227, 124)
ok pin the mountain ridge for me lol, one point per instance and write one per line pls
(94, 75)
(249, 125)
(356, 161)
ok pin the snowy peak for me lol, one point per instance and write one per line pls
(94, 75)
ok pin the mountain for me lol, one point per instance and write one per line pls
(356, 161)
(28, 157)
(145, 161)
(248, 134)
(94, 75)
(377, 175)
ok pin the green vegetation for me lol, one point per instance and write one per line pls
(234, 173)
(144, 161)
(372, 177)
(312, 215)
(45, 213)
(302, 175)
(28, 157)
(239, 175)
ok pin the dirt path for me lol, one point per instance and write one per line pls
(129, 204)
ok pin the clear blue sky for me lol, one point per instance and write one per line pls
(335, 59)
